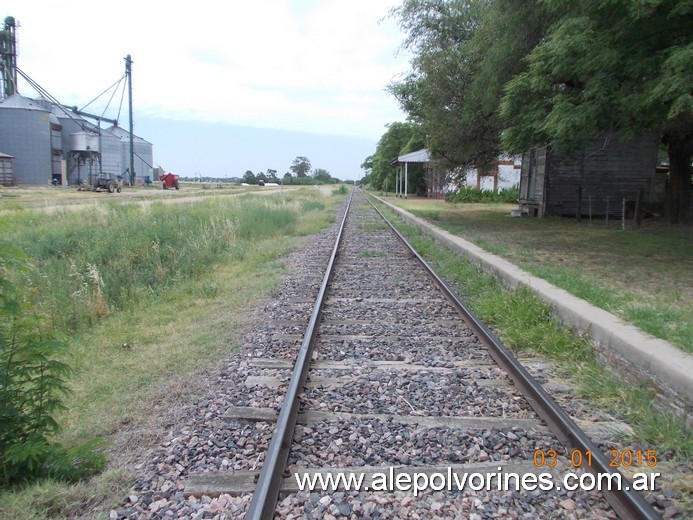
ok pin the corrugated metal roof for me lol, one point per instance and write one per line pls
(124, 134)
(419, 156)
(19, 101)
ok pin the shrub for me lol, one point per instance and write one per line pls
(32, 381)
(509, 195)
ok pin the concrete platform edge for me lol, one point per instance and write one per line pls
(662, 361)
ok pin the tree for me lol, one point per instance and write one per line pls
(367, 167)
(301, 166)
(432, 93)
(249, 177)
(491, 76)
(391, 144)
(271, 175)
(618, 66)
(464, 52)
(322, 176)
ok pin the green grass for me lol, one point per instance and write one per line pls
(110, 257)
(572, 281)
(525, 324)
(149, 348)
(643, 276)
(429, 215)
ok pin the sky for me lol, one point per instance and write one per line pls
(224, 87)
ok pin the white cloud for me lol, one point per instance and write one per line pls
(318, 66)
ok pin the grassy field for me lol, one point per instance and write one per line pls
(49, 199)
(644, 276)
(151, 298)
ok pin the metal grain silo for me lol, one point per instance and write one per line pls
(25, 133)
(112, 154)
(144, 155)
(57, 154)
(71, 124)
(82, 157)
(56, 149)
(89, 147)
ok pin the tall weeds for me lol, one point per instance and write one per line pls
(93, 263)
(82, 268)
(33, 380)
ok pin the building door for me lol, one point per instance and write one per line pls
(531, 191)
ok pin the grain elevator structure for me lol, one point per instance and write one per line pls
(52, 143)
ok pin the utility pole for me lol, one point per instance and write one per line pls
(128, 73)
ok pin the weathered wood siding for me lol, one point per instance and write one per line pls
(533, 181)
(6, 171)
(606, 171)
(524, 178)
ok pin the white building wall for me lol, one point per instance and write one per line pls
(508, 175)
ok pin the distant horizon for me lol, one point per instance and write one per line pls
(248, 148)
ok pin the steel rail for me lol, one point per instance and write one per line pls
(627, 502)
(269, 483)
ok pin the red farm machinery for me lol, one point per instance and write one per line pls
(169, 181)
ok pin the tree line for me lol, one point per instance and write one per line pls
(502, 76)
(300, 172)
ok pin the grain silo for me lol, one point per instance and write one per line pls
(57, 166)
(88, 147)
(143, 152)
(52, 142)
(71, 123)
(82, 157)
(112, 154)
(76, 163)
(26, 132)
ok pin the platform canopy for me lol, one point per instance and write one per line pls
(418, 157)
(402, 162)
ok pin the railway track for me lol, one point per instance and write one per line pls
(393, 381)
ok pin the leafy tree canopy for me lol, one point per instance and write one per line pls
(249, 177)
(620, 66)
(493, 76)
(394, 142)
(464, 52)
(301, 166)
(322, 176)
